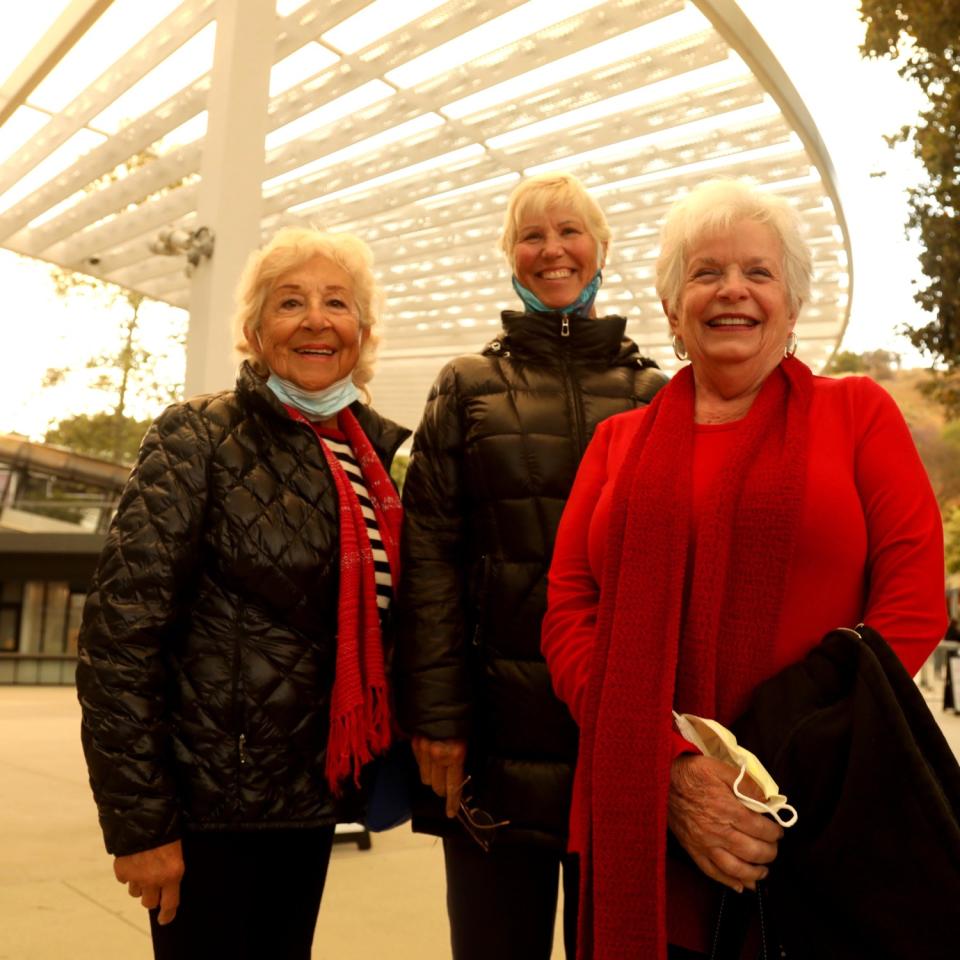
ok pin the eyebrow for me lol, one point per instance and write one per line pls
(714, 262)
(298, 286)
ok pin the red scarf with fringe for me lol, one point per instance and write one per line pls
(360, 722)
(682, 623)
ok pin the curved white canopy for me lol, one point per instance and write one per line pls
(407, 123)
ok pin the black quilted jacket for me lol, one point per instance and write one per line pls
(493, 462)
(208, 638)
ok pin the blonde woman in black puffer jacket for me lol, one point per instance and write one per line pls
(493, 462)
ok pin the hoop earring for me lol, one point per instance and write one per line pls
(679, 350)
(791, 347)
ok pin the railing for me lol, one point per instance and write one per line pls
(55, 669)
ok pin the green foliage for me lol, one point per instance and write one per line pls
(398, 469)
(845, 361)
(943, 388)
(926, 33)
(879, 364)
(102, 435)
(951, 534)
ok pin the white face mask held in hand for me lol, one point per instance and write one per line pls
(716, 741)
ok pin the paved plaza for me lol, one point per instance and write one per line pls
(58, 898)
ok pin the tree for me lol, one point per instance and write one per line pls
(130, 369)
(927, 35)
(102, 435)
(845, 361)
(951, 535)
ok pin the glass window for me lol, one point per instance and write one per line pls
(8, 629)
(74, 616)
(31, 618)
(55, 617)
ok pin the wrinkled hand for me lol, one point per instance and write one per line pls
(727, 841)
(154, 876)
(441, 765)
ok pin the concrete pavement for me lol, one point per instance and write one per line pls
(59, 900)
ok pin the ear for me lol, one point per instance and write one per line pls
(671, 317)
(253, 341)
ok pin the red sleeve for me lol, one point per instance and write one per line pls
(905, 600)
(573, 593)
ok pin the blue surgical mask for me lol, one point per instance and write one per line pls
(581, 305)
(315, 404)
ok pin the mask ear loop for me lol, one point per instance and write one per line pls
(774, 810)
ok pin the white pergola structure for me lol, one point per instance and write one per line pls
(196, 128)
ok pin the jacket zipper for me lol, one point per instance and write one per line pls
(579, 430)
(565, 326)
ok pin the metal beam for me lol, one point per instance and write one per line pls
(52, 47)
(229, 201)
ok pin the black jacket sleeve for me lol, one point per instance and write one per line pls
(432, 681)
(122, 675)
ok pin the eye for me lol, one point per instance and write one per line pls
(705, 273)
(531, 237)
(290, 303)
(571, 231)
(760, 272)
(335, 303)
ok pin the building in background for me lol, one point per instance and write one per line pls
(54, 509)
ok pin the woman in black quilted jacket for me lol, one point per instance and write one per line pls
(231, 667)
(493, 461)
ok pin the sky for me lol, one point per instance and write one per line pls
(853, 102)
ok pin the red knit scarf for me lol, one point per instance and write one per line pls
(360, 724)
(681, 624)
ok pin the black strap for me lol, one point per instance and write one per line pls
(737, 912)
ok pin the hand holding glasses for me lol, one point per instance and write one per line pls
(478, 823)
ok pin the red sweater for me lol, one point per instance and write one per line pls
(869, 549)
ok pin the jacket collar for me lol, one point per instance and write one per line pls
(532, 336)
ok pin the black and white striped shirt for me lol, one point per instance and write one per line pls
(381, 566)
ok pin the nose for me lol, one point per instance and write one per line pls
(553, 245)
(315, 316)
(733, 284)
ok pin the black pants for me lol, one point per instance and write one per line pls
(503, 904)
(247, 895)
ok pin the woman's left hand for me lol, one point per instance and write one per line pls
(728, 842)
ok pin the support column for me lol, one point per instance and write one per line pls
(230, 197)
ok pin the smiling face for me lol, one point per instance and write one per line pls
(310, 330)
(733, 308)
(555, 256)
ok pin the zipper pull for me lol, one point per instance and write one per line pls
(242, 747)
(565, 326)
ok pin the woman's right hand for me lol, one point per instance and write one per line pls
(441, 765)
(728, 842)
(154, 876)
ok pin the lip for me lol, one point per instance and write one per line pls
(732, 321)
(315, 350)
(563, 273)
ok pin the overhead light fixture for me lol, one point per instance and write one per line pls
(495, 34)
(443, 160)
(375, 21)
(363, 96)
(621, 47)
(632, 100)
(426, 121)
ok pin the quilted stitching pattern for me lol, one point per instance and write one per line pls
(493, 462)
(213, 614)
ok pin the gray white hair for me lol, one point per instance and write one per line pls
(714, 207)
(289, 248)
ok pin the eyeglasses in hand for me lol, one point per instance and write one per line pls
(478, 823)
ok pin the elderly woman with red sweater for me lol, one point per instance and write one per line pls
(710, 540)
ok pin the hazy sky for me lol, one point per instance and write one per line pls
(854, 103)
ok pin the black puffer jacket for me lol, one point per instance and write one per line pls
(208, 639)
(493, 462)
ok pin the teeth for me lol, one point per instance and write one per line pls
(555, 274)
(316, 353)
(730, 322)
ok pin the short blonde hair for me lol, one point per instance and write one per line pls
(544, 191)
(289, 248)
(714, 207)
